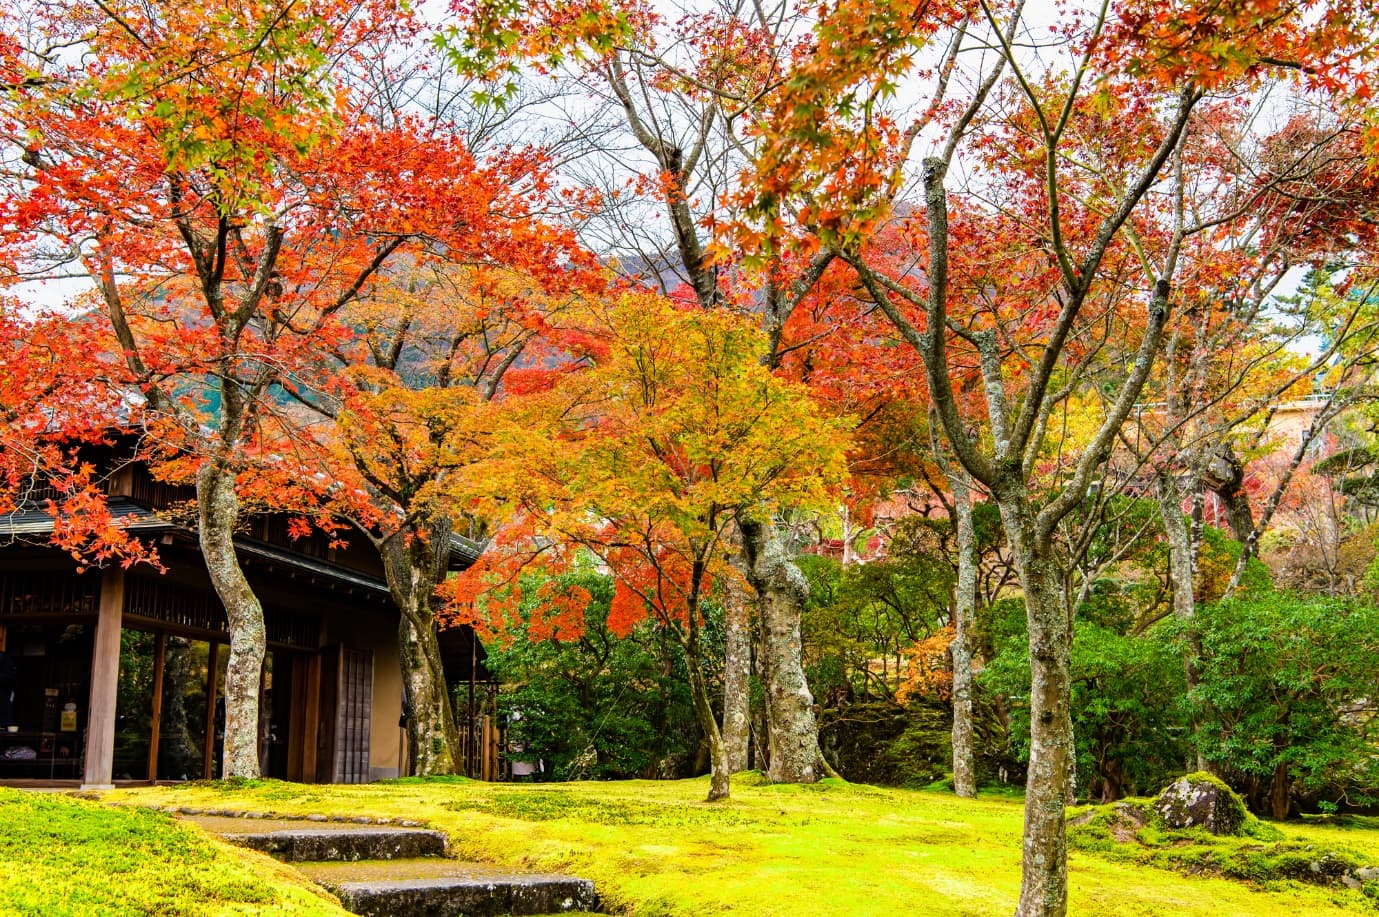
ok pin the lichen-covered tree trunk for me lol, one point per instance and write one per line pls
(1227, 479)
(1182, 575)
(781, 592)
(218, 508)
(412, 566)
(1179, 537)
(1044, 891)
(737, 677)
(964, 613)
(760, 746)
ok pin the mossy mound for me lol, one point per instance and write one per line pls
(1134, 830)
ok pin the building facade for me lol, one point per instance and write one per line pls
(111, 675)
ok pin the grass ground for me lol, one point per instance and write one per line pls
(654, 848)
(61, 856)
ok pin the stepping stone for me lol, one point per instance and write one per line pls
(317, 844)
(441, 888)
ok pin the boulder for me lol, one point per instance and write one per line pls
(1201, 801)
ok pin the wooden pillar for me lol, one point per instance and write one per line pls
(160, 651)
(105, 678)
(212, 670)
(469, 768)
(311, 717)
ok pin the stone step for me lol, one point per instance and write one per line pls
(336, 844)
(439, 888)
(401, 872)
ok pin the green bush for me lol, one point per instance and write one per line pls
(1129, 721)
(597, 705)
(1286, 693)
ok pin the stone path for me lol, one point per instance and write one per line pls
(396, 869)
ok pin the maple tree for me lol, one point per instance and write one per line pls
(206, 170)
(1078, 164)
(414, 421)
(674, 436)
(681, 96)
(60, 394)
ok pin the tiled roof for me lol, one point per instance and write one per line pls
(34, 521)
(297, 561)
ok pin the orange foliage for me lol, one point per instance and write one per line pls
(928, 669)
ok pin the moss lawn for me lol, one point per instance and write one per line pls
(655, 848)
(61, 856)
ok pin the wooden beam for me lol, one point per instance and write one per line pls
(160, 651)
(212, 670)
(105, 680)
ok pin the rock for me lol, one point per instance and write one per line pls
(1352, 882)
(315, 818)
(1201, 801)
(1367, 873)
(1330, 866)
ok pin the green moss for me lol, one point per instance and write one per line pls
(449, 778)
(655, 848)
(67, 856)
(1130, 831)
(549, 805)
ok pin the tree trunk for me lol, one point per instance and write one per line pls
(218, 508)
(1280, 801)
(964, 611)
(719, 787)
(760, 745)
(737, 677)
(1227, 480)
(781, 592)
(1044, 871)
(1182, 575)
(411, 564)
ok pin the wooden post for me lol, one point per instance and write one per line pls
(311, 719)
(469, 726)
(160, 650)
(105, 679)
(490, 751)
(212, 670)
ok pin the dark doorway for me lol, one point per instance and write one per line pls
(48, 666)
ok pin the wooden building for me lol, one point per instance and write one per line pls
(118, 675)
